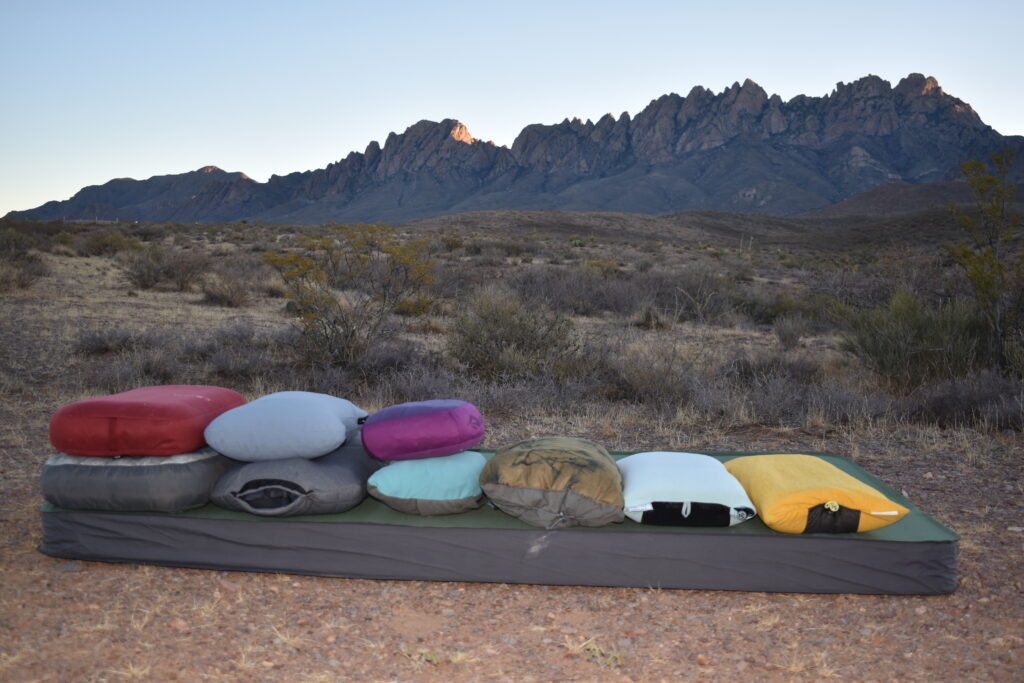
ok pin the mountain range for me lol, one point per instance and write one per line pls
(740, 150)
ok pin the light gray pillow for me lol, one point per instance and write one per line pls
(288, 424)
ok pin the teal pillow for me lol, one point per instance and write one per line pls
(430, 486)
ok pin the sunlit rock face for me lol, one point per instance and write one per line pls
(737, 150)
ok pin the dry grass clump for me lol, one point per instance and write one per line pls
(105, 242)
(239, 355)
(496, 334)
(789, 329)
(224, 287)
(22, 273)
(142, 269)
(20, 266)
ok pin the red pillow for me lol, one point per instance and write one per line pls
(165, 420)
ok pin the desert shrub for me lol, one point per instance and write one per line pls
(513, 249)
(452, 242)
(994, 269)
(660, 374)
(602, 268)
(1013, 354)
(649, 319)
(764, 306)
(789, 329)
(106, 242)
(14, 243)
(838, 404)
(694, 293)
(237, 355)
(100, 341)
(909, 343)
(274, 288)
(986, 398)
(497, 334)
(387, 357)
(752, 369)
(223, 287)
(419, 382)
(581, 291)
(414, 306)
(235, 363)
(184, 268)
(142, 269)
(515, 396)
(9, 276)
(20, 268)
(139, 367)
(345, 285)
(22, 272)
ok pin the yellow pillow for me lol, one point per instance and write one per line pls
(803, 494)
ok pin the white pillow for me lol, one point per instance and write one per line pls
(682, 489)
(288, 424)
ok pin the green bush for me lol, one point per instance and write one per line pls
(414, 306)
(909, 343)
(496, 334)
(991, 264)
(142, 269)
(452, 242)
(346, 283)
(106, 243)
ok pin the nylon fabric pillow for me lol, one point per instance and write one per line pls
(803, 494)
(331, 484)
(431, 486)
(158, 420)
(423, 429)
(287, 424)
(555, 482)
(145, 483)
(682, 489)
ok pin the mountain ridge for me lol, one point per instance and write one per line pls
(739, 150)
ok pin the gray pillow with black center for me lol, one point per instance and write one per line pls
(136, 483)
(330, 484)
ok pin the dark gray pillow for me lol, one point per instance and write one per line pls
(145, 483)
(333, 483)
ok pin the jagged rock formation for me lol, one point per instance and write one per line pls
(739, 150)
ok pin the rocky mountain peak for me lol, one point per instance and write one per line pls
(460, 133)
(863, 88)
(736, 150)
(917, 85)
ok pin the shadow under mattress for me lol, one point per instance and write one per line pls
(916, 555)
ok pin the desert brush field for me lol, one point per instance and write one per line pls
(693, 332)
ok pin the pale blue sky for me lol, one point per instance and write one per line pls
(92, 90)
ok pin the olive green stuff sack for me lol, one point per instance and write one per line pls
(555, 482)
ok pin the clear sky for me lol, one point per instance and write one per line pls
(97, 89)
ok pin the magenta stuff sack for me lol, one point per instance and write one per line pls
(423, 429)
